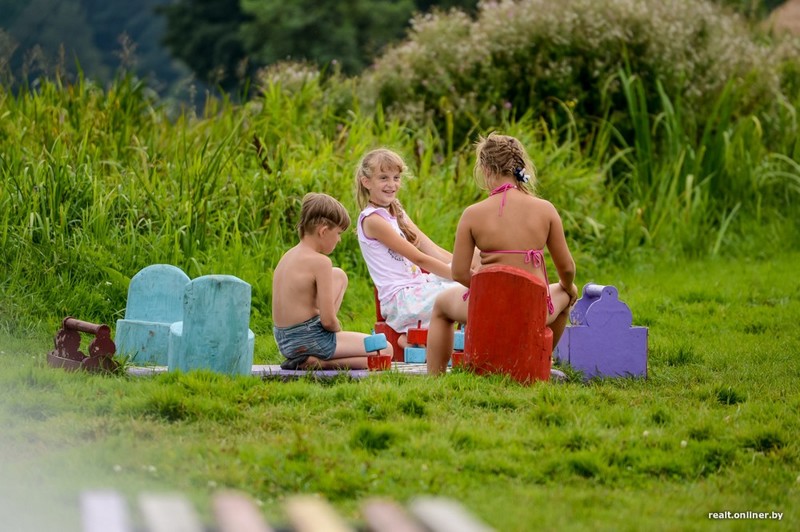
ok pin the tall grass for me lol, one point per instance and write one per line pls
(96, 184)
(687, 186)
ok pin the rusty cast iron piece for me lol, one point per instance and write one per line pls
(67, 354)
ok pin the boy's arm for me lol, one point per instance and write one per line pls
(323, 275)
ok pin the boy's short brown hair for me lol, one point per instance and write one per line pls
(320, 209)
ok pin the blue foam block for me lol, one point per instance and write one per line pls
(415, 355)
(375, 342)
(458, 340)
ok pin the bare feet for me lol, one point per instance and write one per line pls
(311, 363)
(402, 341)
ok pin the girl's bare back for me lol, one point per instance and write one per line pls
(510, 221)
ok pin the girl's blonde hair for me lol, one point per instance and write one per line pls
(374, 162)
(321, 209)
(502, 155)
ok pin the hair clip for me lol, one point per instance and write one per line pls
(520, 174)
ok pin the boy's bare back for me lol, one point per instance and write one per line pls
(294, 285)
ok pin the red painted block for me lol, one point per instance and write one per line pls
(382, 327)
(507, 325)
(379, 362)
(418, 336)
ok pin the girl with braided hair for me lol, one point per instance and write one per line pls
(408, 269)
(512, 226)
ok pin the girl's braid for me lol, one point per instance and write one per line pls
(503, 155)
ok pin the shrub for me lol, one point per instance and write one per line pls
(536, 54)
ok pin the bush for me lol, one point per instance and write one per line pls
(538, 54)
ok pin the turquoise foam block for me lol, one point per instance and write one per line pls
(143, 342)
(155, 301)
(214, 333)
(375, 342)
(414, 355)
(458, 340)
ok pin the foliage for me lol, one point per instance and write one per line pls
(753, 9)
(536, 55)
(205, 35)
(64, 38)
(716, 416)
(97, 184)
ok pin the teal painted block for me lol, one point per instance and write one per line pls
(143, 342)
(414, 355)
(155, 301)
(214, 333)
(458, 340)
(375, 342)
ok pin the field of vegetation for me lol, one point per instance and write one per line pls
(666, 133)
(712, 429)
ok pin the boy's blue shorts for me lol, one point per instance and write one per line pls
(298, 342)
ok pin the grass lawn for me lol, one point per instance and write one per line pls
(713, 428)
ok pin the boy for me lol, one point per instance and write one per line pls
(307, 292)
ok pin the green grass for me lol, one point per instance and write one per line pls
(713, 428)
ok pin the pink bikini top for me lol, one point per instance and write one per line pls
(534, 256)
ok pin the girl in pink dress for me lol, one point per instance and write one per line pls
(408, 269)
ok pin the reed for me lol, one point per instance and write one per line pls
(96, 184)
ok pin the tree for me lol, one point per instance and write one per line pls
(215, 37)
(40, 30)
(128, 34)
(322, 31)
(468, 6)
(102, 36)
(205, 35)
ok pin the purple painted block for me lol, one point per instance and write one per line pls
(601, 342)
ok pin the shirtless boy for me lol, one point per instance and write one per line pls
(307, 292)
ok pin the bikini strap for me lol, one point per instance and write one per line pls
(536, 257)
(504, 189)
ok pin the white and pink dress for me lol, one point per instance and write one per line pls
(405, 292)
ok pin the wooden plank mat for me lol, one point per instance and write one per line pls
(275, 371)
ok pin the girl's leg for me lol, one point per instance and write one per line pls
(557, 321)
(402, 341)
(449, 307)
(339, 287)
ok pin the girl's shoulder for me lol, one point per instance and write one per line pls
(487, 207)
(380, 211)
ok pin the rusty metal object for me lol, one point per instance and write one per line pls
(67, 354)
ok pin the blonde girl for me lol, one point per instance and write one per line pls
(407, 268)
(513, 227)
